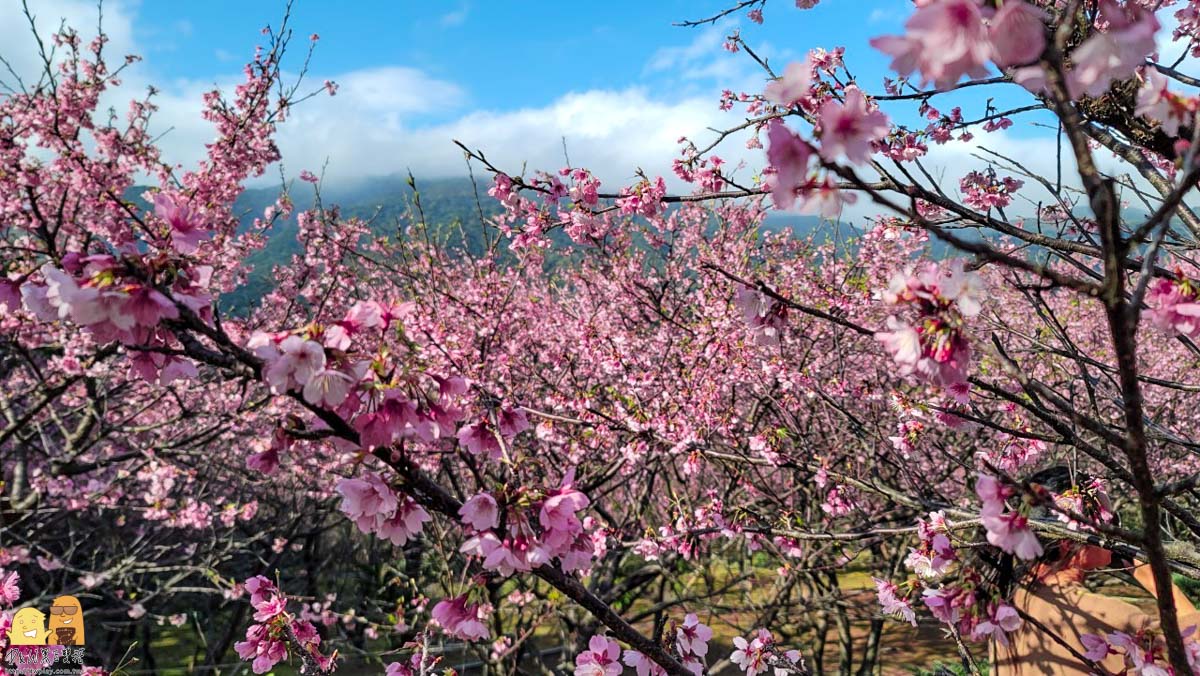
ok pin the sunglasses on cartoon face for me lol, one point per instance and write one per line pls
(63, 610)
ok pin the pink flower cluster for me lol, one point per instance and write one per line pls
(375, 508)
(419, 663)
(1002, 620)
(691, 649)
(10, 590)
(90, 291)
(1144, 654)
(934, 554)
(602, 658)
(982, 190)
(1012, 452)
(793, 86)
(186, 231)
(1175, 306)
(946, 39)
(395, 413)
(849, 128)
(1115, 52)
(892, 603)
(952, 605)
(1169, 109)
(301, 362)
(524, 544)
(691, 643)
(1008, 530)
(267, 640)
(791, 181)
(760, 653)
(487, 438)
(935, 349)
(765, 316)
(462, 619)
(643, 199)
(526, 221)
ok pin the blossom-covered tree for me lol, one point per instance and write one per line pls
(685, 413)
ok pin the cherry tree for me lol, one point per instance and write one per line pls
(682, 421)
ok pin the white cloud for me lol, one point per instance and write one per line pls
(358, 130)
(881, 15)
(456, 18)
(708, 41)
(705, 60)
(19, 47)
(1038, 155)
(611, 132)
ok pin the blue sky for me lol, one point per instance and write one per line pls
(501, 57)
(617, 79)
(504, 59)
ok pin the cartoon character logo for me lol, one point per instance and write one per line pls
(28, 627)
(66, 621)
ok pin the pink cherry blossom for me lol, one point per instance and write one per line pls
(511, 421)
(602, 658)
(480, 512)
(558, 511)
(792, 86)
(1174, 306)
(992, 493)
(789, 155)
(185, 229)
(367, 501)
(1010, 532)
(903, 343)
(479, 439)
(1095, 647)
(461, 619)
(10, 591)
(945, 40)
(298, 361)
(1003, 620)
(1017, 34)
(692, 636)
(892, 604)
(849, 128)
(1115, 53)
(148, 307)
(328, 387)
(765, 316)
(404, 523)
(1157, 102)
(644, 666)
(751, 656)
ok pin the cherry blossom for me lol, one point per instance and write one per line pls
(945, 40)
(850, 127)
(602, 658)
(462, 620)
(1114, 53)
(789, 155)
(792, 86)
(893, 604)
(1017, 34)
